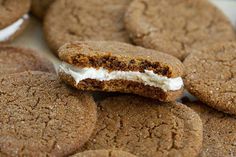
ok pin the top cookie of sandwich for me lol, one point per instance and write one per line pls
(70, 20)
(177, 26)
(12, 10)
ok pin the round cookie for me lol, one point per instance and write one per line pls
(70, 20)
(40, 116)
(14, 18)
(177, 27)
(211, 76)
(104, 153)
(219, 131)
(39, 7)
(145, 127)
(15, 60)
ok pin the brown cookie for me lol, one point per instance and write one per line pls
(177, 27)
(119, 67)
(14, 18)
(39, 7)
(211, 76)
(103, 153)
(72, 20)
(15, 60)
(40, 116)
(219, 131)
(146, 127)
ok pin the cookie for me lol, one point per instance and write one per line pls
(40, 116)
(72, 20)
(219, 133)
(211, 76)
(15, 60)
(146, 127)
(103, 153)
(14, 18)
(39, 7)
(177, 27)
(119, 67)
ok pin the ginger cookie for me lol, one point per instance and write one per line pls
(15, 60)
(40, 7)
(41, 116)
(219, 131)
(145, 127)
(119, 67)
(103, 153)
(211, 76)
(72, 20)
(177, 27)
(14, 18)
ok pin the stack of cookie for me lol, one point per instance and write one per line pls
(134, 49)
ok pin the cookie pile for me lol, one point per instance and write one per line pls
(118, 91)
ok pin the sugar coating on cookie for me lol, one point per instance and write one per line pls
(15, 60)
(119, 67)
(14, 17)
(41, 116)
(219, 131)
(103, 153)
(177, 27)
(211, 76)
(72, 20)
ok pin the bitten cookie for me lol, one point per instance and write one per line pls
(40, 7)
(15, 60)
(119, 67)
(41, 116)
(177, 27)
(146, 127)
(211, 76)
(104, 153)
(219, 131)
(13, 18)
(72, 20)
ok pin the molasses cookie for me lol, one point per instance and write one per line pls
(219, 131)
(41, 116)
(13, 18)
(211, 76)
(15, 60)
(104, 153)
(72, 20)
(40, 7)
(177, 27)
(119, 67)
(146, 127)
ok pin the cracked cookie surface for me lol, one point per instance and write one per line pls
(40, 116)
(103, 153)
(177, 27)
(219, 131)
(146, 127)
(15, 60)
(70, 20)
(211, 76)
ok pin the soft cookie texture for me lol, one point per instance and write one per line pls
(219, 131)
(103, 153)
(40, 7)
(10, 12)
(15, 60)
(177, 27)
(211, 76)
(71, 20)
(145, 127)
(41, 116)
(123, 60)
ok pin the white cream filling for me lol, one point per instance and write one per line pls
(101, 74)
(7, 32)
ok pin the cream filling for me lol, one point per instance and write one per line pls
(7, 32)
(101, 74)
